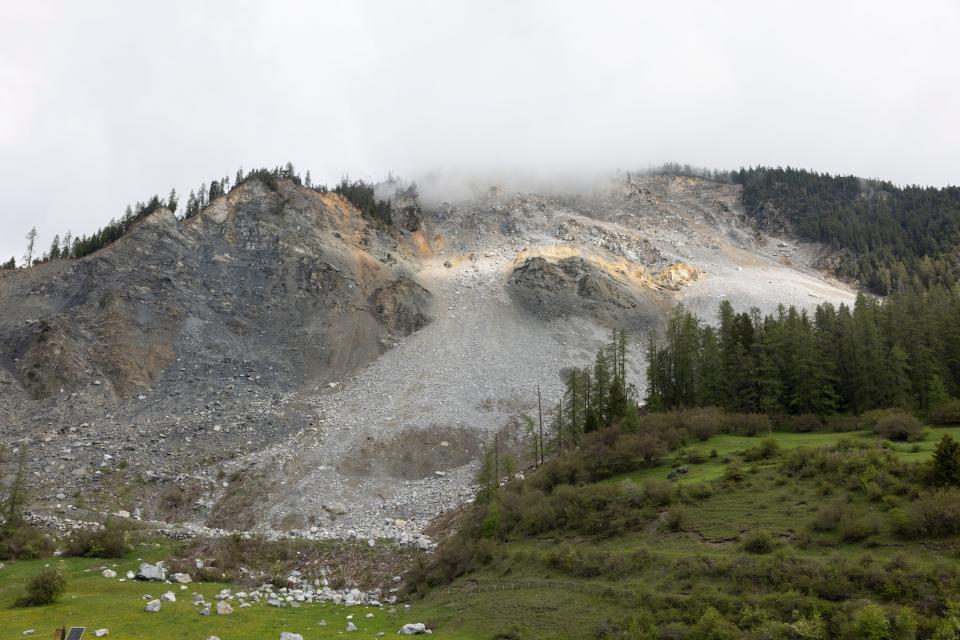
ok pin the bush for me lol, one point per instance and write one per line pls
(24, 543)
(854, 529)
(766, 450)
(734, 472)
(870, 623)
(675, 519)
(44, 588)
(899, 427)
(828, 518)
(112, 541)
(931, 515)
(659, 493)
(758, 541)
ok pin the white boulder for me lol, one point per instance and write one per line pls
(414, 629)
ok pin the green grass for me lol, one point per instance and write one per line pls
(97, 602)
(727, 446)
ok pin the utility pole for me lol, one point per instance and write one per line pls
(540, 411)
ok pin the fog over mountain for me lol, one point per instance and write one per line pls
(106, 103)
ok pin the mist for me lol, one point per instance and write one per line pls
(106, 103)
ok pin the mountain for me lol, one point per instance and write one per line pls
(288, 358)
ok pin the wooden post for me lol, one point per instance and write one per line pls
(496, 460)
(540, 411)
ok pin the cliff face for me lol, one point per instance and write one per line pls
(292, 280)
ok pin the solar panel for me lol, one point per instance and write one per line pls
(75, 633)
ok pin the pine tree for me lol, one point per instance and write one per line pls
(172, 201)
(946, 461)
(54, 253)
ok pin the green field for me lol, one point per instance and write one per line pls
(728, 445)
(97, 602)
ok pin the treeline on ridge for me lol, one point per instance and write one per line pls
(358, 192)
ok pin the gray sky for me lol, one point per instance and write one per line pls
(105, 103)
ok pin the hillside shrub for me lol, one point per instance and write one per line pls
(112, 541)
(870, 623)
(658, 493)
(24, 543)
(758, 541)
(828, 518)
(44, 588)
(856, 529)
(674, 519)
(934, 514)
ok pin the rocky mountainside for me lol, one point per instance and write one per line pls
(279, 361)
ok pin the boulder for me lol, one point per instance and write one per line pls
(286, 635)
(109, 573)
(335, 508)
(224, 608)
(351, 626)
(151, 572)
(182, 578)
(414, 629)
(153, 606)
(101, 632)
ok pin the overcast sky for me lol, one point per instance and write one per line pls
(105, 103)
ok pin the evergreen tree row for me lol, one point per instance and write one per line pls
(595, 397)
(901, 352)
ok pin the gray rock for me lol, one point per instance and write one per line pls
(286, 635)
(224, 608)
(151, 572)
(413, 629)
(153, 606)
(101, 632)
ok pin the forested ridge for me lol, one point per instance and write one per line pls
(888, 237)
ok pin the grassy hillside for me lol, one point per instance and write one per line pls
(812, 535)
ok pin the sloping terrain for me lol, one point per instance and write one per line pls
(277, 361)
